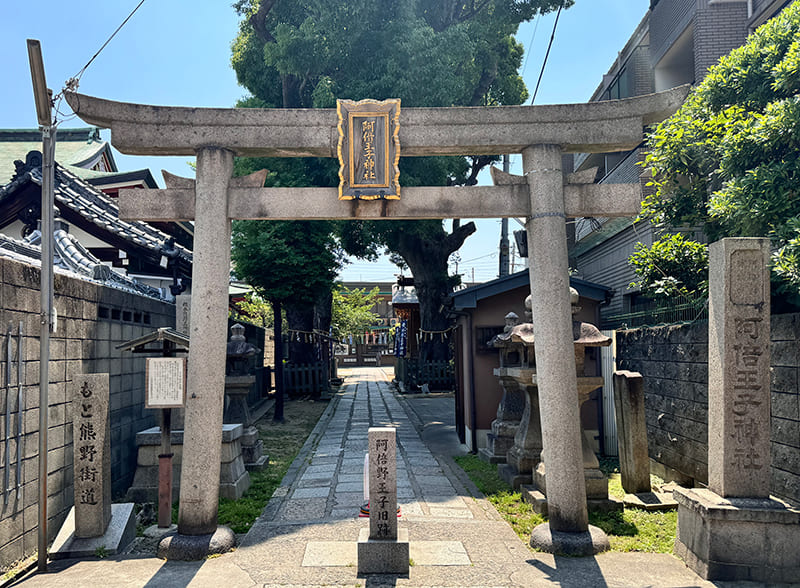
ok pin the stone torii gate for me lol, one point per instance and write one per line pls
(545, 197)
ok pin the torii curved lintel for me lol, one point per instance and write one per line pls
(612, 125)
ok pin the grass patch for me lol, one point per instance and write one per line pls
(508, 503)
(631, 530)
(282, 442)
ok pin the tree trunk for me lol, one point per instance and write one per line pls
(300, 318)
(322, 323)
(278, 336)
(427, 258)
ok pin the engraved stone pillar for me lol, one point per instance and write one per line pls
(383, 548)
(183, 306)
(92, 454)
(733, 530)
(738, 368)
(206, 370)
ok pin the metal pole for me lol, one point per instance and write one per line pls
(9, 359)
(20, 403)
(504, 257)
(46, 297)
(43, 96)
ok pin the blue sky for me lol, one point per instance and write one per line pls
(177, 52)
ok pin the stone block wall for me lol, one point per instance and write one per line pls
(674, 363)
(92, 321)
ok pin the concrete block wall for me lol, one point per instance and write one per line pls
(674, 363)
(92, 320)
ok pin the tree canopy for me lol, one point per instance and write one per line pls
(727, 162)
(308, 53)
(352, 310)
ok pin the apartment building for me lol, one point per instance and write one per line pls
(674, 44)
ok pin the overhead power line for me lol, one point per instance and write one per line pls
(547, 54)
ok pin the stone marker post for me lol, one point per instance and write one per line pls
(555, 367)
(738, 368)
(383, 548)
(200, 467)
(183, 307)
(634, 462)
(733, 530)
(91, 454)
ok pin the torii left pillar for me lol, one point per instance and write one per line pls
(198, 534)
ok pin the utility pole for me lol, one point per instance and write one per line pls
(503, 271)
(513, 257)
(43, 96)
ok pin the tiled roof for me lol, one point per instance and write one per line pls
(81, 148)
(94, 206)
(72, 259)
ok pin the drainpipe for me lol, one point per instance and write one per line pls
(473, 410)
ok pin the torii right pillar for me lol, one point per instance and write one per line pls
(568, 531)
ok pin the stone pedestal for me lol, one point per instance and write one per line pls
(234, 479)
(526, 452)
(738, 539)
(119, 532)
(505, 426)
(252, 451)
(596, 481)
(237, 388)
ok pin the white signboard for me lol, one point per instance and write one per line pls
(166, 382)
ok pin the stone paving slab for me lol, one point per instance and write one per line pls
(422, 553)
(274, 550)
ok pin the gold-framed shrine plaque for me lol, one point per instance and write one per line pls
(369, 149)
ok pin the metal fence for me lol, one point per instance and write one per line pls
(439, 375)
(679, 309)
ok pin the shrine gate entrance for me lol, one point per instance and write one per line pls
(544, 195)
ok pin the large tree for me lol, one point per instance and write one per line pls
(307, 53)
(727, 161)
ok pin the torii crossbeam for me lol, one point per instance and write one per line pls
(544, 196)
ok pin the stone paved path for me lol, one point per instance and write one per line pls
(329, 485)
(307, 534)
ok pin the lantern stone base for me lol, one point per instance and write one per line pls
(380, 556)
(737, 539)
(498, 443)
(234, 478)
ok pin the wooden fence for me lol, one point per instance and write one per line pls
(305, 379)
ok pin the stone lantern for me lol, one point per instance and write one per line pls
(512, 403)
(584, 335)
(518, 368)
(238, 382)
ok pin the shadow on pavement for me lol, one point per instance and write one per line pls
(573, 572)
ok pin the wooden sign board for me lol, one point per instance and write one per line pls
(165, 382)
(369, 149)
